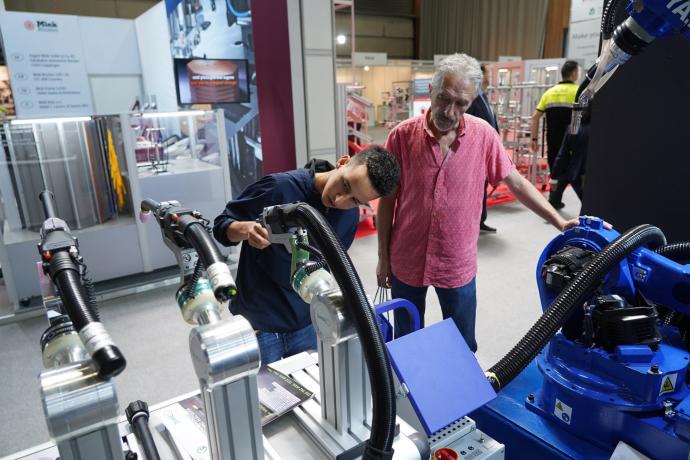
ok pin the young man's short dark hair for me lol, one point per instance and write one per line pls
(383, 169)
(568, 68)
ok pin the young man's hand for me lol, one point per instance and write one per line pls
(257, 236)
(251, 232)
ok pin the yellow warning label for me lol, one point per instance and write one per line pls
(667, 386)
(558, 406)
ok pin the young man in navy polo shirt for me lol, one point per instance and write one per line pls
(265, 296)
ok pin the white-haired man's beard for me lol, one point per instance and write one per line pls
(442, 122)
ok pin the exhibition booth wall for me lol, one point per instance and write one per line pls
(90, 66)
(115, 72)
(128, 142)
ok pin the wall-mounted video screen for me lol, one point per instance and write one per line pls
(211, 81)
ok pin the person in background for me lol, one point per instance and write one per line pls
(482, 108)
(569, 166)
(265, 297)
(557, 103)
(428, 230)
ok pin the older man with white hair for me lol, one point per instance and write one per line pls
(445, 156)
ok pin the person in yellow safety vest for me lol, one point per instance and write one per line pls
(557, 103)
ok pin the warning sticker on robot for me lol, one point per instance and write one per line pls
(563, 411)
(668, 384)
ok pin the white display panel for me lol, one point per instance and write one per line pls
(583, 41)
(584, 10)
(318, 27)
(46, 63)
(113, 94)
(154, 51)
(110, 46)
(320, 102)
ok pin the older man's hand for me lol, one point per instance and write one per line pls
(570, 223)
(384, 276)
(567, 224)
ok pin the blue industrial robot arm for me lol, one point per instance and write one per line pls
(581, 242)
(662, 18)
(622, 349)
(660, 280)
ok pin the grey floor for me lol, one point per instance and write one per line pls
(152, 335)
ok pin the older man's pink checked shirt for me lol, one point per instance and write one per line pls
(439, 200)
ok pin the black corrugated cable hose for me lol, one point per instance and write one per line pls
(191, 285)
(678, 252)
(65, 274)
(311, 267)
(90, 290)
(568, 300)
(608, 19)
(380, 444)
(195, 232)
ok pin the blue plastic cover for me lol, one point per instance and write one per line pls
(634, 353)
(442, 375)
